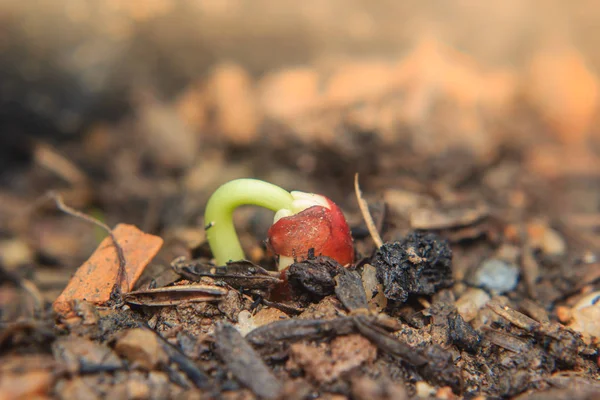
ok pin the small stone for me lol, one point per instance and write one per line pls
(445, 393)
(76, 353)
(268, 315)
(549, 241)
(245, 323)
(497, 275)
(137, 389)
(142, 348)
(508, 253)
(563, 313)
(553, 244)
(424, 390)
(469, 304)
(462, 334)
(248, 322)
(15, 253)
(365, 388)
(586, 315)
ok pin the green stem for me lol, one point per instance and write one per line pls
(218, 217)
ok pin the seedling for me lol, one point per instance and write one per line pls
(303, 223)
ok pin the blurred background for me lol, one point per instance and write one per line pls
(136, 110)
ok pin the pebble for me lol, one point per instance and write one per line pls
(142, 348)
(497, 276)
(15, 253)
(424, 390)
(548, 240)
(248, 322)
(469, 304)
(586, 315)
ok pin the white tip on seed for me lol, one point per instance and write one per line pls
(301, 202)
(284, 212)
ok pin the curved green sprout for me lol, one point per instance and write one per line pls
(218, 217)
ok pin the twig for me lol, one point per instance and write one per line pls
(50, 159)
(115, 293)
(364, 209)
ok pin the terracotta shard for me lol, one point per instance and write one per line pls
(94, 280)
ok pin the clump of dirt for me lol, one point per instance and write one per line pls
(420, 264)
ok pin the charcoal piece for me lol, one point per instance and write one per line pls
(350, 291)
(441, 368)
(245, 363)
(462, 333)
(419, 264)
(293, 330)
(314, 276)
(390, 344)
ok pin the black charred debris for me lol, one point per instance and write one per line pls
(420, 264)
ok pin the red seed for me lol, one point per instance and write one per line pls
(319, 228)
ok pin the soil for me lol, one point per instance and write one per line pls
(483, 182)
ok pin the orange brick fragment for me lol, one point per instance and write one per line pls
(95, 279)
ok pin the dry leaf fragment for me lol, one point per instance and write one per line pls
(173, 295)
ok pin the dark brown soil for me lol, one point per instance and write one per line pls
(484, 183)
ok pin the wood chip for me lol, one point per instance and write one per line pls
(515, 317)
(506, 340)
(531, 271)
(350, 291)
(535, 311)
(299, 329)
(245, 363)
(390, 344)
(95, 279)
